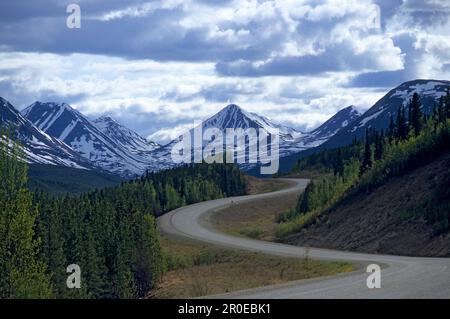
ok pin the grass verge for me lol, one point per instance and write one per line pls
(197, 269)
(255, 219)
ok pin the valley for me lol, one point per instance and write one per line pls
(407, 277)
(165, 151)
(346, 207)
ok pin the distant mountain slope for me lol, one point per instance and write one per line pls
(378, 115)
(233, 116)
(291, 140)
(38, 146)
(230, 117)
(124, 137)
(324, 132)
(58, 180)
(308, 143)
(63, 122)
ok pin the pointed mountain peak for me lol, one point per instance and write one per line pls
(5, 103)
(105, 119)
(9, 113)
(232, 107)
(51, 105)
(341, 119)
(352, 109)
(38, 107)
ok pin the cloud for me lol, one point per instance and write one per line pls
(165, 135)
(157, 66)
(372, 54)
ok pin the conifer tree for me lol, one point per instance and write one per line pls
(416, 116)
(402, 128)
(22, 274)
(50, 230)
(391, 128)
(379, 145)
(339, 164)
(367, 155)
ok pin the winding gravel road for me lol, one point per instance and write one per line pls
(401, 277)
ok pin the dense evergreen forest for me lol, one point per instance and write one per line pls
(413, 139)
(110, 233)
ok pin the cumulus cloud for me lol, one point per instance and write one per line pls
(159, 65)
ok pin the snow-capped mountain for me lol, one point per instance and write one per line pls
(65, 123)
(379, 114)
(38, 147)
(55, 133)
(233, 116)
(124, 137)
(291, 140)
(230, 117)
(323, 133)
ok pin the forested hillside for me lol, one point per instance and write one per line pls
(60, 180)
(413, 140)
(110, 233)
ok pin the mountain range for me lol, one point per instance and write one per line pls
(56, 134)
(291, 140)
(105, 143)
(378, 116)
(38, 146)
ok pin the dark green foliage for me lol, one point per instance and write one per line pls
(321, 191)
(447, 104)
(401, 130)
(57, 180)
(416, 116)
(111, 233)
(367, 156)
(391, 129)
(338, 168)
(22, 274)
(382, 158)
(329, 160)
(379, 145)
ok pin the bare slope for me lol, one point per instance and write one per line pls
(385, 220)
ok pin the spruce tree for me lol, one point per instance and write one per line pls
(50, 230)
(447, 104)
(441, 110)
(339, 163)
(22, 274)
(416, 116)
(367, 156)
(391, 128)
(402, 128)
(379, 145)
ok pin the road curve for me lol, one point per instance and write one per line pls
(401, 277)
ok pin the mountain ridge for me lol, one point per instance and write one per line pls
(63, 122)
(39, 147)
(377, 116)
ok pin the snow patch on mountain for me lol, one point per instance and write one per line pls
(38, 147)
(61, 121)
(126, 138)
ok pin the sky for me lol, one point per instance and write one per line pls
(159, 66)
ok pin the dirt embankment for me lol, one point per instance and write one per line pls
(376, 223)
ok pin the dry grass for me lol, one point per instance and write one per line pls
(259, 186)
(255, 219)
(222, 270)
(197, 269)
